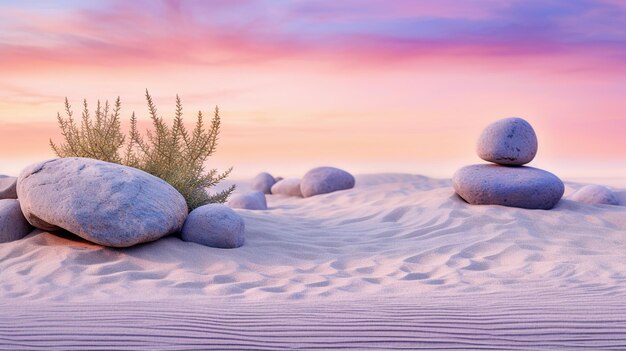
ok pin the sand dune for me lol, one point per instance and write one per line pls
(393, 237)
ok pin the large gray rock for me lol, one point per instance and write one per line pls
(102, 202)
(288, 187)
(8, 187)
(509, 141)
(13, 225)
(595, 195)
(524, 187)
(323, 180)
(248, 201)
(263, 182)
(214, 225)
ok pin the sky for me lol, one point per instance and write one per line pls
(367, 85)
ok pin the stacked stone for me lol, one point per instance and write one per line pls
(509, 144)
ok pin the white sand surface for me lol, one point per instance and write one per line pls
(394, 240)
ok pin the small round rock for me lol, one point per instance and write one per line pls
(523, 187)
(287, 187)
(509, 141)
(595, 195)
(263, 182)
(214, 225)
(13, 224)
(248, 201)
(324, 180)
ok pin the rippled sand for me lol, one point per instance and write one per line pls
(401, 238)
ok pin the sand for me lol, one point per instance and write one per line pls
(399, 259)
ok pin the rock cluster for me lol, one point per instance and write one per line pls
(317, 181)
(108, 204)
(321, 180)
(508, 143)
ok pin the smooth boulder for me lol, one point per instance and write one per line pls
(595, 195)
(509, 141)
(248, 201)
(13, 225)
(263, 182)
(8, 187)
(523, 187)
(324, 180)
(105, 203)
(287, 187)
(214, 225)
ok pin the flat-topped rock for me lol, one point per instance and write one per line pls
(287, 187)
(248, 201)
(263, 182)
(523, 187)
(106, 203)
(509, 141)
(13, 225)
(214, 225)
(8, 187)
(324, 180)
(595, 195)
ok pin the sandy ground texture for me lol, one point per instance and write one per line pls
(395, 239)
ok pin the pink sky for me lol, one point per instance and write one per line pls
(366, 85)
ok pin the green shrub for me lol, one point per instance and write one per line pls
(170, 153)
(100, 138)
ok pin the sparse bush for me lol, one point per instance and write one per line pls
(172, 154)
(100, 138)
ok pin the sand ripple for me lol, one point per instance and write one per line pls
(487, 323)
(393, 235)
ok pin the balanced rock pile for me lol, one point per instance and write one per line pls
(509, 143)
